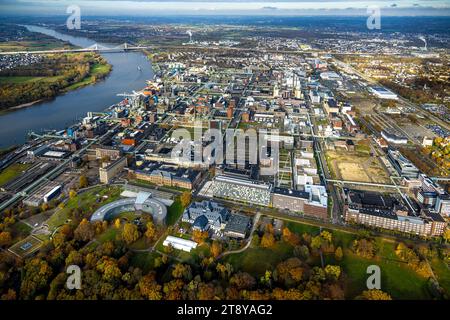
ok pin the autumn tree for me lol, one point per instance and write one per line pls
(266, 279)
(290, 237)
(173, 290)
(5, 238)
(374, 294)
(364, 248)
(182, 271)
(446, 235)
(200, 236)
(149, 288)
(9, 295)
(301, 252)
(323, 241)
(109, 268)
(289, 272)
(269, 228)
(83, 181)
(338, 254)
(85, 231)
(267, 240)
(333, 272)
(130, 233)
(117, 223)
(150, 231)
(225, 270)
(186, 198)
(36, 275)
(72, 194)
(44, 207)
(216, 249)
(206, 291)
(243, 281)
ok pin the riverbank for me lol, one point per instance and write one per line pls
(57, 74)
(98, 72)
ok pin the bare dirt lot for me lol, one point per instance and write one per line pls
(354, 166)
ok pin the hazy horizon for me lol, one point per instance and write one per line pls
(224, 7)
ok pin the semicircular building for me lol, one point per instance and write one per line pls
(143, 202)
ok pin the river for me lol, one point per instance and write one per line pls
(65, 109)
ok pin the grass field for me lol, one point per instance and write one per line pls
(27, 79)
(442, 272)
(109, 235)
(174, 212)
(12, 172)
(87, 202)
(194, 256)
(256, 260)
(399, 280)
(20, 230)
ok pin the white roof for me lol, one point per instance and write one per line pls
(180, 242)
(142, 196)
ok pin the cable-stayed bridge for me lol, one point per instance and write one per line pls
(93, 48)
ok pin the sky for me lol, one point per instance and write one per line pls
(218, 7)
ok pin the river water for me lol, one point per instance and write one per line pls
(64, 110)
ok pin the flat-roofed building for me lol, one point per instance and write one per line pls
(383, 93)
(44, 194)
(313, 201)
(237, 226)
(381, 211)
(106, 151)
(179, 243)
(111, 170)
(404, 167)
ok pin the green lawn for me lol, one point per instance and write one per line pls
(362, 148)
(302, 228)
(442, 272)
(194, 256)
(256, 260)
(27, 79)
(396, 278)
(141, 244)
(20, 230)
(87, 202)
(12, 172)
(18, 79)
(109, 235)
(31, 45)
(129, 216)
(144, 260)
(174, 212)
